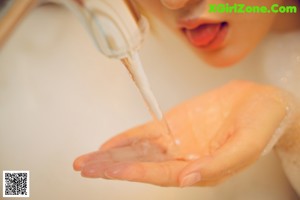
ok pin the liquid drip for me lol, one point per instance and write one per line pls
(134, 66)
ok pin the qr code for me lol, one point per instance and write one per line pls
(15, 183)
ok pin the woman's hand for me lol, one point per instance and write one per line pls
(220, 133)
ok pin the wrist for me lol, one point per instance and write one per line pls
(287, 129)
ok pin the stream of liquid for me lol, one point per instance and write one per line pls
(145, 149)
(112, 36)
(135, 68)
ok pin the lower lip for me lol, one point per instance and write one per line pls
(211, 39)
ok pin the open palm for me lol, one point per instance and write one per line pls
(217, 134)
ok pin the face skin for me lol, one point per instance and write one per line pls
(220, 39)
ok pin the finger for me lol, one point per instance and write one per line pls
(113, 155)
(159, 173)
(82, 160)
(142, 151)
(252, 131)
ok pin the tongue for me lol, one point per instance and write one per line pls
(204, 34)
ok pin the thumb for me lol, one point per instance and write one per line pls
(251, 131)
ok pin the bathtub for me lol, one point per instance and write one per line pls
(59, 98)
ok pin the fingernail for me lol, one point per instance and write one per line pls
(89, 172)
(190, 179)
(115, 171)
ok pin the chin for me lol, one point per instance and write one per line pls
(222, 60)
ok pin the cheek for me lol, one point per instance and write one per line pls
(151, 7)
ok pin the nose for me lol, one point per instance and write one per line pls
(174, 4)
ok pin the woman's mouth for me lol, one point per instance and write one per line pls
(208, 36)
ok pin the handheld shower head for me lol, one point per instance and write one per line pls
(116, 26)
